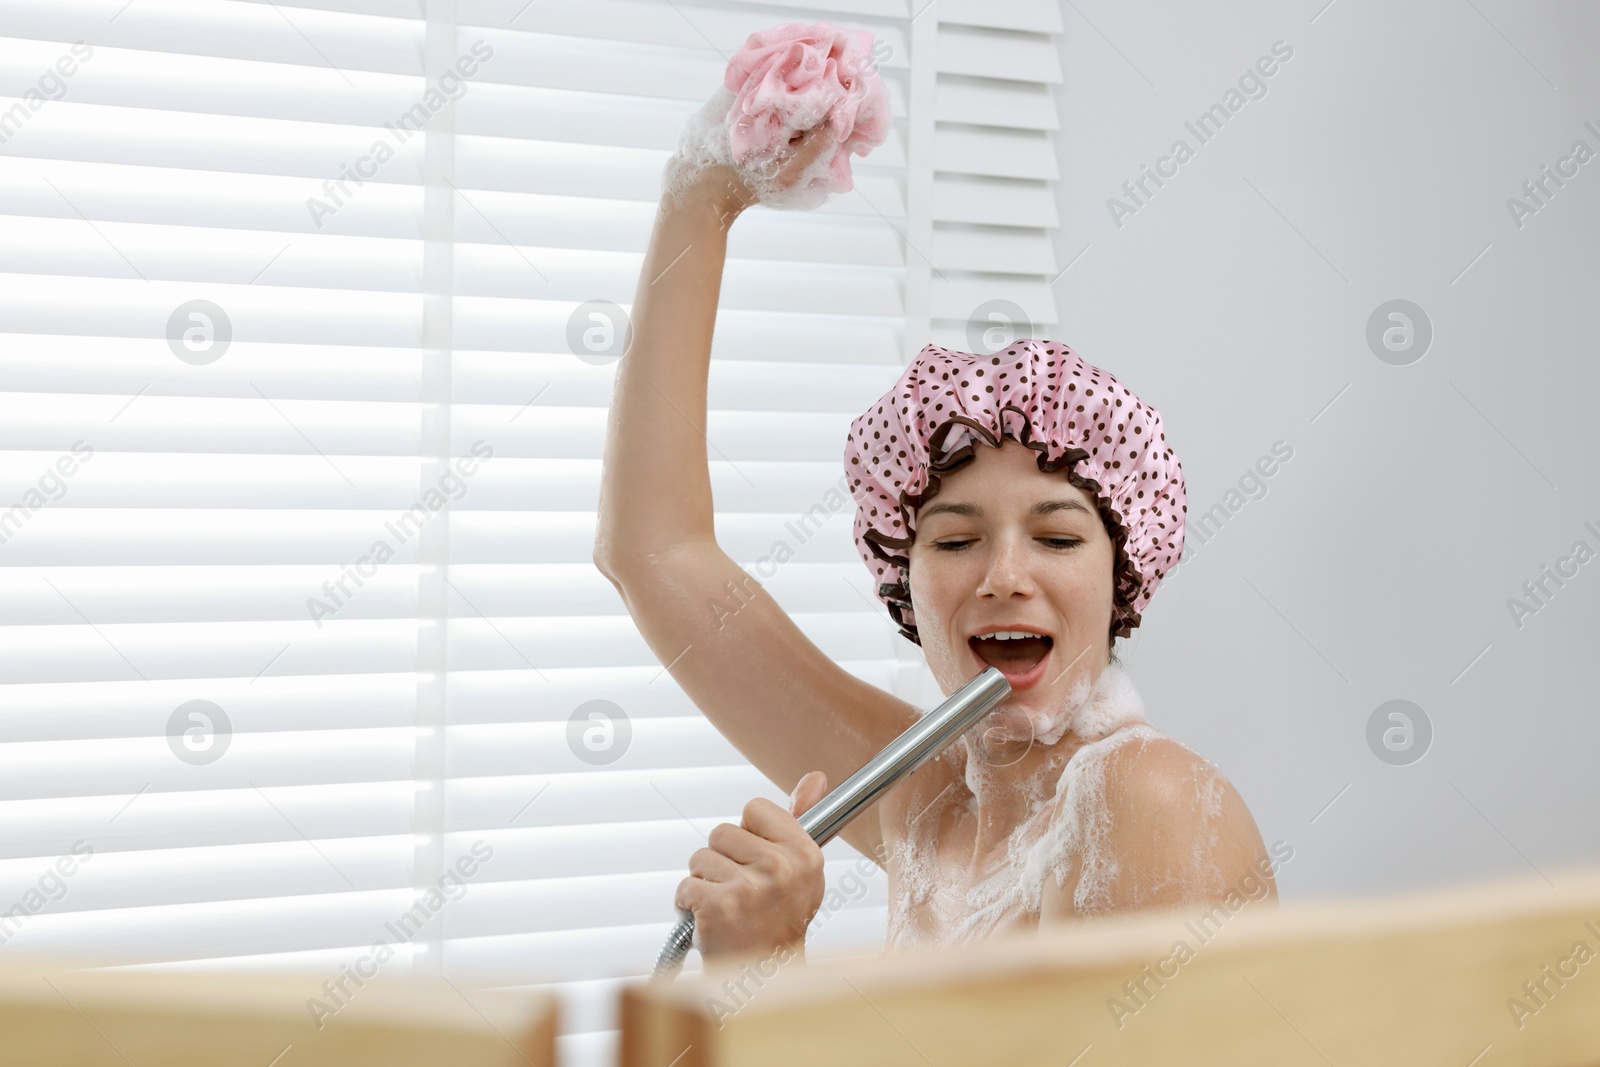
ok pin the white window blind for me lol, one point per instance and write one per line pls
(301, 467)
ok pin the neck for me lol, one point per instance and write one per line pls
(1011, 781)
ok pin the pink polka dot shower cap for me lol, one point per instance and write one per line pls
(1079, 419)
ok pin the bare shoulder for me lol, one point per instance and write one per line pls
(1167, 803)
(1153, 772)
(1175, 830)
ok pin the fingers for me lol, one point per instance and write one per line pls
(756, 885)
(738, 843)
(765, 819)
(810, 144)
(725, 923)
(764, 825)
(691, 894)
(713, 866)
(807, 792)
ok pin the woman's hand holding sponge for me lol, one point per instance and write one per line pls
(796, 103)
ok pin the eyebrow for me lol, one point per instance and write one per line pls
(1043, 507)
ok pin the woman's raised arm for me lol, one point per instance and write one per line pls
(781, 702)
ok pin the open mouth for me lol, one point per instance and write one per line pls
(1019, 656)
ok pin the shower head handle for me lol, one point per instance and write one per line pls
(823, 821)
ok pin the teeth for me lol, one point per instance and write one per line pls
(1006, 635)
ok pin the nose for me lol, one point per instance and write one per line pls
(1007, 573)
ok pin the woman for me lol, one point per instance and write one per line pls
(1062, 803)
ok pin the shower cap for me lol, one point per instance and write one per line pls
(1078, 417)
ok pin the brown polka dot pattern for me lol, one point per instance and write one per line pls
(1079, 418)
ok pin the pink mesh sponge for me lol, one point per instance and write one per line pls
(1075, 415)
(790, 77)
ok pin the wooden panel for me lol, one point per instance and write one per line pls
(103, 1018)
(1448, 976)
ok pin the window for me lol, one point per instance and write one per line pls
(301, 630)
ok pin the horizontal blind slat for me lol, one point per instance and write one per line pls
(46, 828)
(102, 133)
(988, 53)
(1036, 16)
(173, 196)
(989, 102)
(83, 711)
(129, 306)
(993, 201)
(1015, 154)
(109, 880)
(333, 45)
(127, 766)
(680, 25)
(1001, 251)
(219, 928)
(61, 246)
(304, 89)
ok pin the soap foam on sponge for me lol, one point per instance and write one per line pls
(786, 80)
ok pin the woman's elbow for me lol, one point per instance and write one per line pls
(611, 564)
(681, 561)
(620, 545)
(610, 553)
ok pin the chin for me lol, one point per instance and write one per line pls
(1016, 721)
(1008, 724)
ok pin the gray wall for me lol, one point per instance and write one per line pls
(1379, 561)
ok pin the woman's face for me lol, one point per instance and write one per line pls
(1005, 546)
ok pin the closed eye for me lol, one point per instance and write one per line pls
(951, 546)
(959, 544)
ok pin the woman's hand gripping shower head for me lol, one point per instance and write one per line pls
(796, 103)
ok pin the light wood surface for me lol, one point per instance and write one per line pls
(58, 1017)
(1422, 978)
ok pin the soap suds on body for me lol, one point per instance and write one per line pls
(930, 906)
